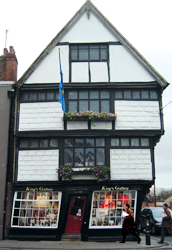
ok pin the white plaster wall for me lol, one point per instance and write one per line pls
(101, 125)
(41, 116)
(73, 125)
(88, 31)
(130, 164)
(137, 115)
(48, 71)
(80, 72)
(125, 68)
(38, 165)
(99, 72)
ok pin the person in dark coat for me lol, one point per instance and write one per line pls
(128, 225)
(166, 223)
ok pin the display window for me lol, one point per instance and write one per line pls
(36, 209)
(107, 207)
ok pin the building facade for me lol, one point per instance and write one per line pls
(112, 122)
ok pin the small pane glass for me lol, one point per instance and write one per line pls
(100, 156)
(50, 95)
(104, 94)
(94, 52)
(41, 96)
(68, 156)
(153, 95)
(103, 54)
(105, 106)
(136, 94)
(83, 95)
(115, 142)
(94, 106)
(125, 142)
(94, 94)
(53, 143)
(56, 95)
(68, 142)
(83, 53)
(24, 143)
(72, 95)
(79, 142)
(145, 94)
(89, 157)
(127, 94)
(144, 142)
(118, 94)
(24, 96)
(135, 142)
(100, 142)
(32, 96)
(44, 143)
(89, 142)
(33, 143)
(74, 53)
(83, 105)
(79, 157)
(72, 106)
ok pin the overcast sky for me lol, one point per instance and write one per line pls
(147, 24)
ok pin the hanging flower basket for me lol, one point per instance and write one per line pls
(66, 172)
(102, 173)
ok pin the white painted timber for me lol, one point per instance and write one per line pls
(77, 125)
(80, 72)
(137, 115)
(38, 165)
(99, 72)
(101, 125)
(125, 68)
(130, 164)
(88, 31)
(41, 116)
(48, 71)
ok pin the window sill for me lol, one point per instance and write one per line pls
(87, 119)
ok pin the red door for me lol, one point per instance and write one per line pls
(75, 215)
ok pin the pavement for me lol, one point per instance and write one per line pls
(82, 245)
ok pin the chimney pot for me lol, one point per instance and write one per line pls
(5, 51)
(12, 49)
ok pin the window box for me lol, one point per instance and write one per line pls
(82, 172)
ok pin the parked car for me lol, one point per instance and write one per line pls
(155, 214)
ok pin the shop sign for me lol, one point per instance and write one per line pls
(115, 188)
(36, 189)
(76, 190)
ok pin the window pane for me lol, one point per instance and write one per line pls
(72, 95)
(115, 142)
(24, 143)
(100, 156)
(125, 142)
(56, 95)
(83, 95)
(153, 95)
(127, 94)
(68, 156)
(32, 96)
(74, 53)
(94, 106)
(94, 94)
(24, 96)
(105, 106)
(79, 157)
(83, 53)
(94, 52)
(79, 142)
(104, 94)
(145, 94)
(53, 143)
(90, 142)
(83, 105)
(72, 106)
(68, 143)
(33, 143)
(100, 142)
(43, 143)
(50, 95)
(135, 142)
(41, 95)
(89, 157)
(118, 94)
(144, 142)
(103, 54)
(136, 94)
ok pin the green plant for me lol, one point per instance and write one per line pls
(66, 172)
(90, 114)
(101, 173)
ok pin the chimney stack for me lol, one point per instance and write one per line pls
(8, 65)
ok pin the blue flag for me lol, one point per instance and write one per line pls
(61, 89)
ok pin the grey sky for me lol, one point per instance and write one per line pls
(145, 23)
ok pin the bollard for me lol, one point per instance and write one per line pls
(147, 232)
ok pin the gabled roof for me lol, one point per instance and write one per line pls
(89, 7)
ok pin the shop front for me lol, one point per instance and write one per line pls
(92, 211)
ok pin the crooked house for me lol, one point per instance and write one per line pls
(111, 122)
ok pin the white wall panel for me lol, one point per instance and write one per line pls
(125, 68)
(137, 115)
(101, 125)
(88, 31)
(80, 72)
(48, 71)
(41, 116)
(73, 125)
(130, 164)
(38, 165)
(99, 72)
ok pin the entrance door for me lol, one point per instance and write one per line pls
(75, 215)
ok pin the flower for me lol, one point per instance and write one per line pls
(66, 172)
(101, 173)
(90, 114)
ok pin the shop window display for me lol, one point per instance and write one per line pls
(107, 207)
(36, 209)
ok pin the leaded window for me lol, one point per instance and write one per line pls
(37, 143)
(39, 96)
(130, 142)
(84, 152)
(136, 95)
